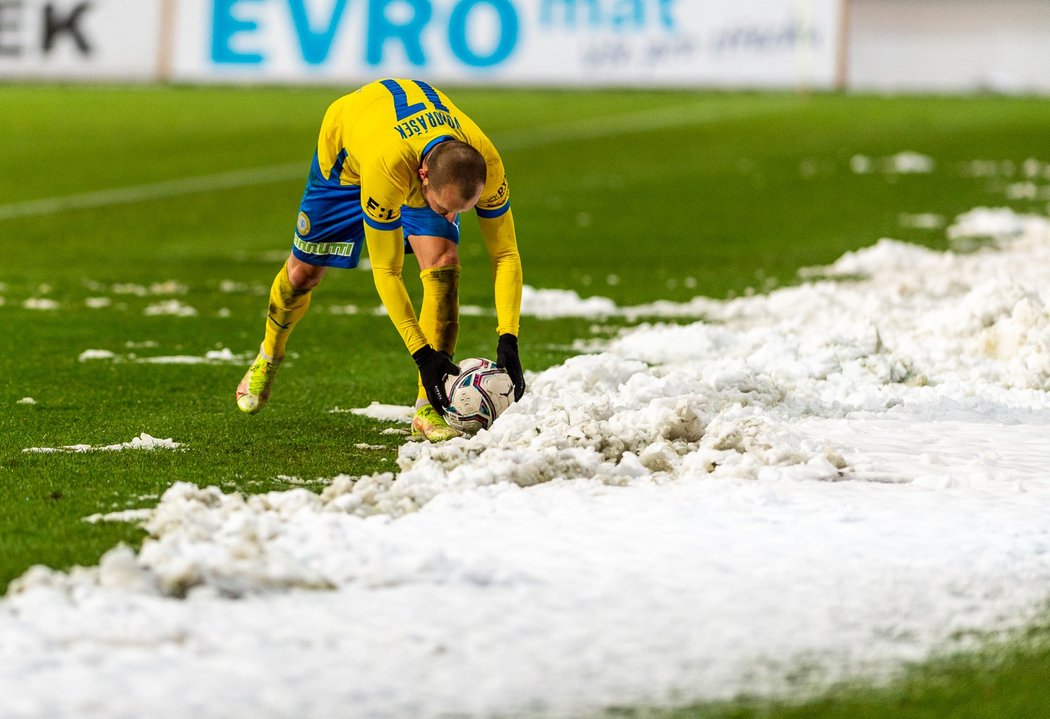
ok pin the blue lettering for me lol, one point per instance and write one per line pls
(628, 13)
(666, 18)
(569, 16)
(615, 14)
(408, 33)
(315, 46)
(224, 26)
(508, 33)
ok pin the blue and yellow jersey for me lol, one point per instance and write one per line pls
(375, 138)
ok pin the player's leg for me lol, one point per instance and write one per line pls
(438, 318)
(433, 240)
(439, 271)
(328, 233)
(290, 295)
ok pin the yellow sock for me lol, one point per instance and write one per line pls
(439, 315)
(287, 306)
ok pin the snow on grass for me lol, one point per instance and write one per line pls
(126, 515)
(827, 481)
(171, 307)
(907, 162)
(380, 411)
(143, 441)
(223, 355)
(40, 303)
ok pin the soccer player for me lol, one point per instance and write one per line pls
(396, 163)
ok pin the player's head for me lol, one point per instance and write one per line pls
(453, 175)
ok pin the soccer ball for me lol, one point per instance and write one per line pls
(477, 395)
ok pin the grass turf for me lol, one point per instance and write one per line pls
(637, 196)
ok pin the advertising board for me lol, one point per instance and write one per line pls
(757, 43)
(691, 43)
(81, 39)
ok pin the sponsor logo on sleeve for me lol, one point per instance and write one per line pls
(497, 198)
(380, 213)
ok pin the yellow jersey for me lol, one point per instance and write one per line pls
(375, 138)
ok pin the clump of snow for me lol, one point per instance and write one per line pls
(96, 354)
(143, 441)
(26, 400)
(97, 303)
(382, 412)
(40, 303)
(344, 310)
(169, 287)
(923, 220)
(170, 307)
(126, 515)
(903, 163)
(220, 356)
(563, 303)
(845, 476)
(909, 162)
(998, 223)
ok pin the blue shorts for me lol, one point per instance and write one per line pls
(329, 230)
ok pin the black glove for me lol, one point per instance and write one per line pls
(507, 358)
(433, 367)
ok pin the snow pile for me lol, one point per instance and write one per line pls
(549, 304)
(831, 479)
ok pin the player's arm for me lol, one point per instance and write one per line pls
(383, 191)
(386, 251)
(502, 245)
(496, 222)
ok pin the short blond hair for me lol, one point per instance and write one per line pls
(458, 164)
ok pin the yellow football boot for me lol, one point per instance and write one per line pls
(428, 424)
(254, 389)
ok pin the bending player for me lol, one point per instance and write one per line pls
(396, 163)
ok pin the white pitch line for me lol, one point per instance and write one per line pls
(154, 190)
(586, 129)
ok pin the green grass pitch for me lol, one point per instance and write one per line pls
(636, 196)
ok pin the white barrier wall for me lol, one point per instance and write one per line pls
(80, 39)
(746, 43)
(949, 45)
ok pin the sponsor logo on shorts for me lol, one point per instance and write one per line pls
(302, 224)
(342, 249)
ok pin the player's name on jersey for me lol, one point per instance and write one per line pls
(425, 122)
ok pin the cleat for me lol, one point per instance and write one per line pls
(254, 389)
(428, 424)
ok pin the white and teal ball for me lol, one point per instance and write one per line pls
(477, 395)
